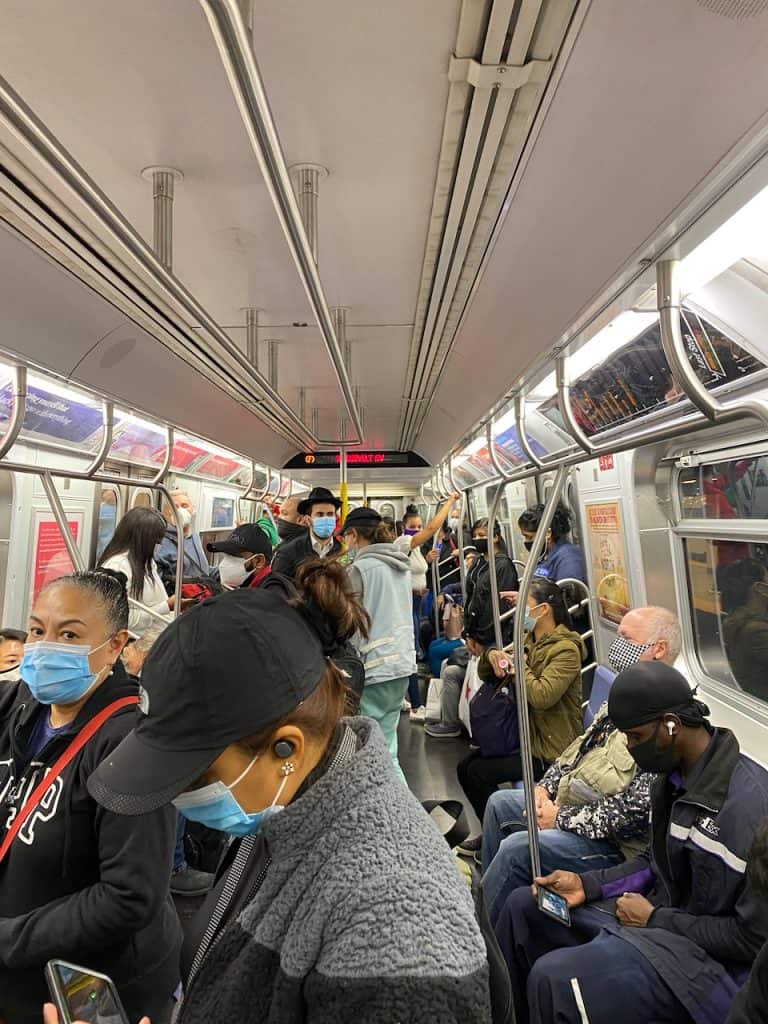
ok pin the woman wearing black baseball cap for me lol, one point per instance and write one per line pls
(312, 917)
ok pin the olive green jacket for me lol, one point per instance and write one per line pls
(553, 688)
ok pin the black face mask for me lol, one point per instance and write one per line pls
(287, 531)
(527, 544)
(650, 759)
(481, 545)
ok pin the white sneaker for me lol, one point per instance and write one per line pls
(418, 714)
(405, 706)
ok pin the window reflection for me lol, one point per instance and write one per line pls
(734, 489)
(107, 520)
(729, 600)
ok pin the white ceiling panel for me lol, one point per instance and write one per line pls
(641, 115)
(360, 88)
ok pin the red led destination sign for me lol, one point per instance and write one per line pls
(369, 460)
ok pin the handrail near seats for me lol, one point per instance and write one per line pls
(711, 409)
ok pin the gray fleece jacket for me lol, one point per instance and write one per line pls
(381, 576)
(361, 914)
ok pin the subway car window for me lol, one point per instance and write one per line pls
(728, 590)
(735, 489)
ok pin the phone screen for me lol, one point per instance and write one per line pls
(554, 905)
(88, 997)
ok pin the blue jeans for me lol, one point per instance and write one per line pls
(179, 860)
(505, 857)
(414, 697)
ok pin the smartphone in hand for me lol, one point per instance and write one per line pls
(81, 994)
(554, 904)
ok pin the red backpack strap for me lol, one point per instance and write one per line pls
(89, 729)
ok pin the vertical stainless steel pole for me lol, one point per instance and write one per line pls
(307, 192)
(273, 355)
(61, 521)
(519, 660)
(163, 184)
(252, 335)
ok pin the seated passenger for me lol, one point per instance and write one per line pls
(78, 882)
(194, 563)
(553, 657)
(132, 551)
(247, 553)
(11, 652)
(592, 803)
(749, 1006)
(320, 508)
(478, 623)
(135, 651)
(312, 918)
(672, 934)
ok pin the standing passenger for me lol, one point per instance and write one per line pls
(561, 560)
(380, 575)
(131, 551)
(290, 524)
(414, 535)
(312, 918)
(247, 553)
(79, 882)
(320, 508)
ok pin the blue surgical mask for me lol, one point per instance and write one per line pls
(324, 526)
(58, 673)
(529, 623)
(216, 807)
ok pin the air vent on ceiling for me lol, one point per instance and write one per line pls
(737, 9)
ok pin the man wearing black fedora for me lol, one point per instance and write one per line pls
(320, 506)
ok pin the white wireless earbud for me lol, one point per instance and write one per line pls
(671, 728)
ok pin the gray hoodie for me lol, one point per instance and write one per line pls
(381, 576)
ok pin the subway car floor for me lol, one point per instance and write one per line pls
(430, 768)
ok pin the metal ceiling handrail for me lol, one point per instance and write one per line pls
(236, 51)
(160, 474)
(107, 425)
(47, 148)
(522, 437)
(495, 461)
(16, 421)
(565, 407)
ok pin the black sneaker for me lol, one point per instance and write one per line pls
(190, 882)
(470, 846)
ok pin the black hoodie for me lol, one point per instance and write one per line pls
(80, 883)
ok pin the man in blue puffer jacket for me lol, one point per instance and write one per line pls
(672, 934)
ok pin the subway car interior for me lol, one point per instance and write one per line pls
(510, 250)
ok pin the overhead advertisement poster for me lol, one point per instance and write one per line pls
(608, 559)
(51, 558)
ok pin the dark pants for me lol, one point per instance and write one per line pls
(480, 776)
(414, 696)
(569, 975)
(179, 858)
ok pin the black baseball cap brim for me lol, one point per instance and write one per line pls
(126, 782)
(249, 537)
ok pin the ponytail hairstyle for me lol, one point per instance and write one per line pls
(102, 585)
(325, 599)
(411, 512)
(137, 535)
(381, 533)
(546, 592)
(560, 525)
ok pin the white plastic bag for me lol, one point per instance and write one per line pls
(434, 700)
(469, 688)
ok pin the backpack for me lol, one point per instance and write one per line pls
(493, 717)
